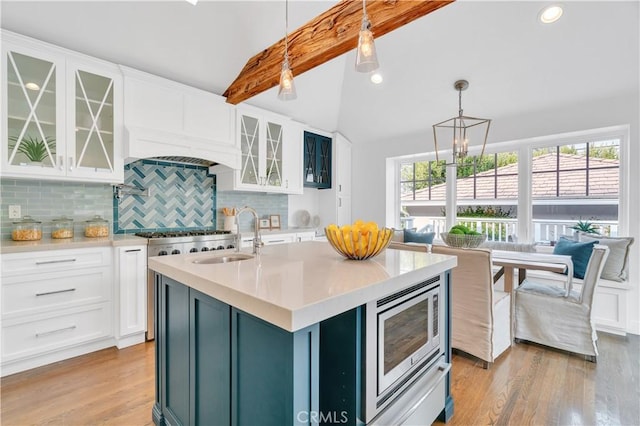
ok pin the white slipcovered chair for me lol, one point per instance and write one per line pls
(481, 324)
(552, 316)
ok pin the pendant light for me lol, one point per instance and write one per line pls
(287, 89)
(464, 128)
(366, 58)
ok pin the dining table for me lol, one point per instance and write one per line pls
(510, 261)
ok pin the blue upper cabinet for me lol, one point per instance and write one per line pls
(317, 161)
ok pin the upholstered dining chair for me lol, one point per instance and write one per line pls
(480, 317)
(551, 316)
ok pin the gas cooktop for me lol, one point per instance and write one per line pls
(177, 234)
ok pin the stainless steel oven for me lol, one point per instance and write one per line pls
(180, 242)
(407, 326)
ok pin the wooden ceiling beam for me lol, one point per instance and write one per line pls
(325, 37)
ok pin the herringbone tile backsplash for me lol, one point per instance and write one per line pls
(185, 197)
(182, 197)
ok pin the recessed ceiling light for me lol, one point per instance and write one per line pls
(376, 78)
(32, 86)
(550, 14)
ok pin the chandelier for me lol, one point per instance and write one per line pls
(461, 129)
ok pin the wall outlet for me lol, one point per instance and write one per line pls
(14, 212)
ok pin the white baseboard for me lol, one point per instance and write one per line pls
(16, 366)
(130, 340)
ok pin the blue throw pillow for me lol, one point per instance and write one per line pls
(418, 237)
(580, 253)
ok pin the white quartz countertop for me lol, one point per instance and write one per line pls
(297, 285)
(10, 246)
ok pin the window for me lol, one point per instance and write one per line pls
(573, 177)
(487, 195)
(575, 182)
(422, 192)
(490, 177)
(423, 180)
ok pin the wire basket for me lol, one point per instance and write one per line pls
(463, 240)
(353, 245)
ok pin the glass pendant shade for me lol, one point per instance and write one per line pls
(366, 58)
(287, 89)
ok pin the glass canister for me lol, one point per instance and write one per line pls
(96, 227)
(62, 228)
(27, 229)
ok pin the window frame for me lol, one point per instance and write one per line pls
(524, 149)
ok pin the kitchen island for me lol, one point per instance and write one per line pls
(242, 342)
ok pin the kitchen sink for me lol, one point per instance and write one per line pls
(223, 259)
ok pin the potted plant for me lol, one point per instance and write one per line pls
(585, 226)
(35, 149)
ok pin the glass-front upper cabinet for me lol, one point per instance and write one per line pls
(273, 176)
(33, 99)
(61, 113)
(250, 148)
(95, 126)
(261, 145)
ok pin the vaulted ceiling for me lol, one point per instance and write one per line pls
(514, 64)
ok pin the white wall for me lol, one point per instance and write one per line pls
(368, 191)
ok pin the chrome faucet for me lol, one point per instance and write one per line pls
(257, 241)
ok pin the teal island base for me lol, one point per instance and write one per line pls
(217, 365)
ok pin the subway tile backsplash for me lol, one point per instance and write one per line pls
(47, 200)
(264, 204)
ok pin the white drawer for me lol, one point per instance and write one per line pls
(54, 260)
(279, 239)
(74, 326)
(29, 294)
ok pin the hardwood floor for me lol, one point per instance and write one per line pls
(108, 387)
(528, 384)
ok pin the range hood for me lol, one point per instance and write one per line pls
(163, 118)
(185, 160)
(175, 147)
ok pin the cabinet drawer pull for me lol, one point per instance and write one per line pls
(56, 292)
(132, 250)
(47, 333)
(47, 262)
(275, 241)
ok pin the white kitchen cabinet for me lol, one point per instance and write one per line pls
(269, 240)
(279, 238)
(166, 118)
(305, 236)
(335, 202)
(271, 154)
(55, 305)
(131, 294)
(63, 113)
